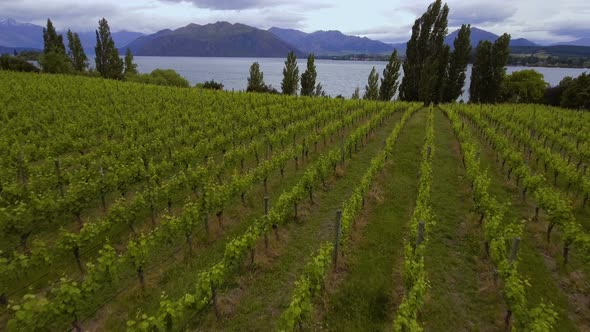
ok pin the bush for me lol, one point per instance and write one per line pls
(166, 77)
(56, 63)
(8, 62)
(525, 86)
(210, 85)
(263, 89)
(577, 93)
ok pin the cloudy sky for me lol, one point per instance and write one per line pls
(388, 20)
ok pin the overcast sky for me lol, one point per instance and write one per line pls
(387, 20)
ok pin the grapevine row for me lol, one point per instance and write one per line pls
(415, 279)
(171, 312)
(139, 250)
(558, 208)
(309, 285)
(498, 233)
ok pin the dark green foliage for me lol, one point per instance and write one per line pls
(76, 52)
(425, 56)
(130, 67)
(8, 62)
(256, 79)
(389, 83)
(308, 78)
(577, 93)
(166, 77)
(489, 70)
(108, 62)
(457, 65)
(356, 94)
(56, 63)
(372, 87)
(290, 83)
(54, 58)
(440, 79)
(52, 42)
(210, 85)
(525, 86)
(553, 94)
(29, 55)
(319, 91)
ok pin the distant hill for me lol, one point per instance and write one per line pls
(554, 50)
(221, 39)
(331, 42)
(10, 50)
(16, 34)
(578, 42)
(27, 35)
(478, 35)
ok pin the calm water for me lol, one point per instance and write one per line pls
(337, 77)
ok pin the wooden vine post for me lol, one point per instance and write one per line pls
(338, 229)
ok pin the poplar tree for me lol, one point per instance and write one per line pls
(389, 83)
(290, 83)
(308, 78)
(425, 56)
(54, 58)
(52, 42)
(76, 52)
(130, 67)
(256, 79)
(372, 87)
(458, 65)
(108, 62)
(489, 69)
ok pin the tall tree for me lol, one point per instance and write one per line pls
(130, 67)
(290, 83)
(308, 78)
(458, 65)
(389, 82)
(52, 42)
(489, 69)
(500, 55)
(356, 94)
(108, 61)
(76, 52)
(54, 58)
(256, 79)
(372, 87)
(425, 56)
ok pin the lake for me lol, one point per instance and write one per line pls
(337, 77)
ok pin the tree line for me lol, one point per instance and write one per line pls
(55, 58)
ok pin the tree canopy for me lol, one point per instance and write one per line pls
(389, 82)
(108, 62)
(525, 86)
(308, 78)
(372, 87)
(290, 83)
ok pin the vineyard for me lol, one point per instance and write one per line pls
(130, 207)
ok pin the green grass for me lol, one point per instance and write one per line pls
(368, 286)
(462, 295)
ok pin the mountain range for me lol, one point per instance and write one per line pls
(224, 39)
(331, 42)
(220, 39)
(15, 34)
